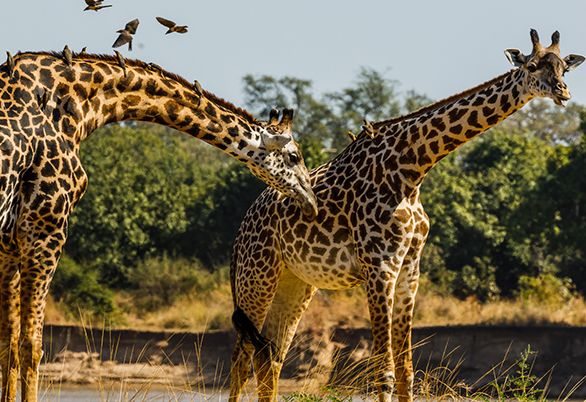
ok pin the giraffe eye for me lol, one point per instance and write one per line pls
(294, 158)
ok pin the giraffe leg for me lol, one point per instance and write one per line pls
(402, 326)
(254, 284)
(380, 286)
(9, 326)
(404, 303)
(241, 367)
(36, 274)
(290, 302)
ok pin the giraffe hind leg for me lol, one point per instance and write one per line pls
(9, 327)
(241, 367)
(249, 333)
(290, 302)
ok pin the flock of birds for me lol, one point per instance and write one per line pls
(127, 34)
(125, 37)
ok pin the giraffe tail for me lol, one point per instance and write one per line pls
(248, 332)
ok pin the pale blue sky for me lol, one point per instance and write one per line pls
(436, 47)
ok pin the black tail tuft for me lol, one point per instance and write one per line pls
(248, 332)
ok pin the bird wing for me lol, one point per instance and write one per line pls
(132, 26)
(90, 2)
(166, 22)
(122, 39)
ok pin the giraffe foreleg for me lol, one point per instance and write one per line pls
(380, 286)
(405, 292)
(290, 302)
(9, 326)
(401, 329)
(36, 274)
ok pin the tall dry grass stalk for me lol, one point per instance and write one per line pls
(131, 377)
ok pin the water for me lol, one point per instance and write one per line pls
(138, 395)
(145, 395)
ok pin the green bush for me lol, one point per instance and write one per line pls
(160, 281)
(546, 288)
(77, 288)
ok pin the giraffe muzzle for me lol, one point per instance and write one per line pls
(309, 209)
(307, 200)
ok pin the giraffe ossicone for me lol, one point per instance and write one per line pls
(370, 228)
(49, 103)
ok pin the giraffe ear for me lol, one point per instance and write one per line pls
(572, 61)
(274, 117)
(273, 142)
(515, 57)
(287, 119)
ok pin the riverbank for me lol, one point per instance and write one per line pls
(468, 356)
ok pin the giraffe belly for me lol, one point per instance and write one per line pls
(335, 268)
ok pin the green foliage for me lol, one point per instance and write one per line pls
(326, 119)
(140, 182)
(521, 385)
(551, 229)
(312, 116)
(546, 121)
(160, 281)
(77, 288)
(330, 395)
(216, 215)
(545, 288)
(472, 198)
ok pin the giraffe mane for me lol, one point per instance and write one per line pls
(142, 64)
(440, 103)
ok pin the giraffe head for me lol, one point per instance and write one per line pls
(282, 163)
(545, 68)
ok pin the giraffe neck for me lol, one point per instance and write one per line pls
(96, 90)
(423, 138)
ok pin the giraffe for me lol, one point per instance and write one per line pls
(370, 228)
(51, 102)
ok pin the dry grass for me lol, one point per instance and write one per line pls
(55, 313)
(434, 309)
(211, 309)
(349, 309)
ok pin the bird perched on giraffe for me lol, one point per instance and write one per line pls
(95, 5)
(173, 27)
(127, 34)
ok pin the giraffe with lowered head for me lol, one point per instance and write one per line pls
(370, 228)
(50, 103)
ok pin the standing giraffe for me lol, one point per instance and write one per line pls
(49, 104)
(370, 227)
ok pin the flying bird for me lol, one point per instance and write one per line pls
(95, 5)
(126, 34)
(173, 27)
